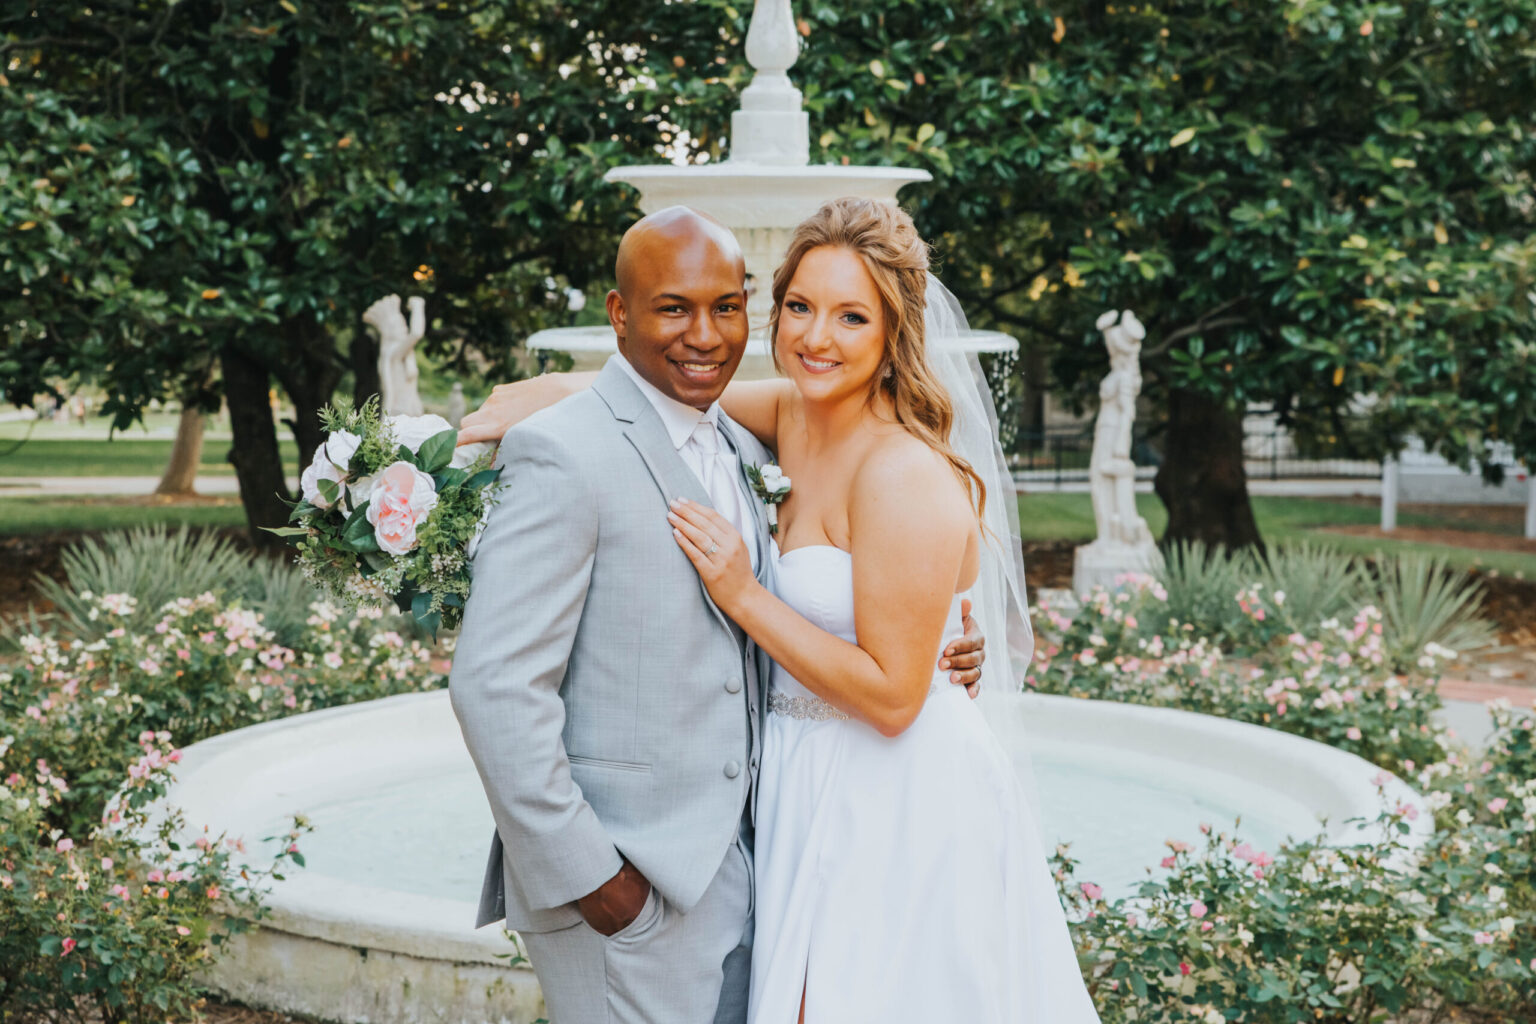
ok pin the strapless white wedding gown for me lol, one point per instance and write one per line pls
(898, 879)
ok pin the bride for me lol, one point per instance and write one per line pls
(900, 873)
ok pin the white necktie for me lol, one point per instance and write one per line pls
(717, 472)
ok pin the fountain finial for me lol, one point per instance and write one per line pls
(770, 127)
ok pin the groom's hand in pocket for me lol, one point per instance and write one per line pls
(614, 905)
(964, 657)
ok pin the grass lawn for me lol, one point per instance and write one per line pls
(121, 457)
(42, 515)
(1056, 516)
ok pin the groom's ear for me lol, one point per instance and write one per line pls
(616, 313)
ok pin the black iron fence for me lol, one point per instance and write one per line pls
(1060, 455)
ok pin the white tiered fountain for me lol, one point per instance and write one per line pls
(379, 927)
(762, 191)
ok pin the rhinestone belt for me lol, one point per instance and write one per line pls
(813, 708)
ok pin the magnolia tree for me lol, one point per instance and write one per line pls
(203, 199)
(1304, 202)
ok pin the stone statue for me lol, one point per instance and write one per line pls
(1124, 543)
(397, 352)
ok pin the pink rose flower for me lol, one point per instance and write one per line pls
(1483, 939)
(69, 946)
(1092, 891)
(1497, 804)
(1168, 861)
(1197, 909)
(402, 498)
(213, 892)
(1184, 969)
(1353, 732)
(183, 930)
(65, 845)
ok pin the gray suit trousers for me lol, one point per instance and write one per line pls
(666, 967)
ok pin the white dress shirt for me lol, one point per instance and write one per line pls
(695, 435)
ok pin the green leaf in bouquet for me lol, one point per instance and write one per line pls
(421, 609)
(484, 478)
(448, 478)
(404, 454)
(437, 451)
(330, 490)
(358, 534)
(287, 531)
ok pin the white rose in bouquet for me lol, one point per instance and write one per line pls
(340, 446)
(413, 431)
(468, 453)
(322, 468)
(402, 498)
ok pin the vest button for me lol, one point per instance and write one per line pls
(732, 769)
(733, 685)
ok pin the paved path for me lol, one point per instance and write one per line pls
(107, 486)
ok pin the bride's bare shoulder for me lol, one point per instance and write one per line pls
(905, 470)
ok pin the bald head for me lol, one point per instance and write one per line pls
(671, 234)
(680, 309)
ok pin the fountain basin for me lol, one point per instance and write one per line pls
(379, 926)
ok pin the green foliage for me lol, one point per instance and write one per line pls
(1423, 602)
(116, 924)
(153, 563)
(1314, 931)
(1246, 599)
(194, 668)
(157, 565)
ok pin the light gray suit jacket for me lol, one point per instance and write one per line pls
(608, 704)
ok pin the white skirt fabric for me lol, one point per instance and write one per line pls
(899, 879)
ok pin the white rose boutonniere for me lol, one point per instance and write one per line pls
(772, 486)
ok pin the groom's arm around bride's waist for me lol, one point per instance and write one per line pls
(531, 575)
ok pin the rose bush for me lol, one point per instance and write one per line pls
(113, 921)
(203, 667)
(101, 912)
(1311, 931)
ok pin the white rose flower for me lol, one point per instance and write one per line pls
(774, 480)
(357, 493)
(465, 454)
(340, 447)
(322, 468)
(413, 431)
(402, 498)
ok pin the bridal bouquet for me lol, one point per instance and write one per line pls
(391, 511)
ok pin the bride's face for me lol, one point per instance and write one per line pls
(831, 335)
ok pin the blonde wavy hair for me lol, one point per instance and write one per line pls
(884, 237)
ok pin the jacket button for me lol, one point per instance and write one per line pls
(733, 686)
(732, 769)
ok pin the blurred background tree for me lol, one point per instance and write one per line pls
(1306, 202)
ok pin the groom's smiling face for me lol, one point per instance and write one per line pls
(680, 310)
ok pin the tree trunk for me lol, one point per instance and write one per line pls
(186, 454)
(309, 376)
(1202, 481)
(257, 460)
(365, 367)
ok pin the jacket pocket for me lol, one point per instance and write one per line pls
(617, 766)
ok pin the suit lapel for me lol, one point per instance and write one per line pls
(728, 428)
(645, 431)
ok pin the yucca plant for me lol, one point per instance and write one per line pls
(1318, 583)
(152, 563)
(1202, 584)
(279, 591)
(1423, 601)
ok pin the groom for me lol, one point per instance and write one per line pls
(612, 711)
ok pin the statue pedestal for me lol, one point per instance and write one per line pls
(1103, 562)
